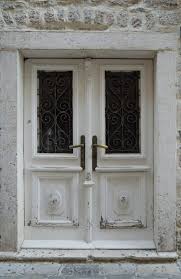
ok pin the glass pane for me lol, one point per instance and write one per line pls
(122, 112)
(55, 115)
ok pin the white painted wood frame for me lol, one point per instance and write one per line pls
(135, 230)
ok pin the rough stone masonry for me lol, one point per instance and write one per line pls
(157, 15)
(125, 15)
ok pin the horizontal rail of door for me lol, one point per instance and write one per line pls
(123, 169)
(54, 169)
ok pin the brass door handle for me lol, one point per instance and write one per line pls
(100, 145)
(82, 151)
(94, 151)
(76, 146)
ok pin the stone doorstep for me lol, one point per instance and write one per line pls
(49, 255)
(90, 270)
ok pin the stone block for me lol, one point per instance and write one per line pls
(42, 268)
(8, 18)
(60, 14)
(163, 3)
(20, 17)
(150, 21)
(169, 18)
(99, 17)
(109, 19)
(73, 15)
(49, 15)
(124, 2)
(34, 16)
(13, 269)
(122, 19)
(2, 23)
(80, 271)
(88, 15)
(7, 5)
(69, 2)
(136, 22)
(159, 270)
(39, 2)
(117, 269)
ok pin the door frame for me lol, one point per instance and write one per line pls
(158, 46)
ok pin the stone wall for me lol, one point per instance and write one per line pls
(144, 15)
(108, 15)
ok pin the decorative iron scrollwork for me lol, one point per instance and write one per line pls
(122, 112)
(55, 116)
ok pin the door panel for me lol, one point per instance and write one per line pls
(123, 201)
(123, 196)
(55, 199)
(53, 122)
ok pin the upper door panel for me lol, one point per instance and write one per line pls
(124, 112)
(54, 93)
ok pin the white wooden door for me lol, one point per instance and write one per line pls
(123, 120)
(86, 196)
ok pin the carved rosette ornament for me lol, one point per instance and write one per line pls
(121, 203)
(55, 203)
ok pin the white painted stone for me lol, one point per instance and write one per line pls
(8, 99)
(88, 40)
(11, 212)
(165, 153)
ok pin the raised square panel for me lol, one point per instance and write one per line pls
(55, 199)
(123, 200)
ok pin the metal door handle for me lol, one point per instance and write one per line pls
(82, 151)
(100, 145)
(76, 146)
(94, 151)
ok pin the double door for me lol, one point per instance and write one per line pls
(88, 154)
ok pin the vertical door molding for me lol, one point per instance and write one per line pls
(165, 151)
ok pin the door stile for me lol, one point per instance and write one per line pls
(88, 182)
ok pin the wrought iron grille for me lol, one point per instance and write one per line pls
(55, 113)
(122, 112)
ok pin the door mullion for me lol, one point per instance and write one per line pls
(88, 183)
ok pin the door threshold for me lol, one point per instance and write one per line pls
(88, 256)
(82, 245)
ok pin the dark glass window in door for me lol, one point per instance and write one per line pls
(55, 112)
(122, 111)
